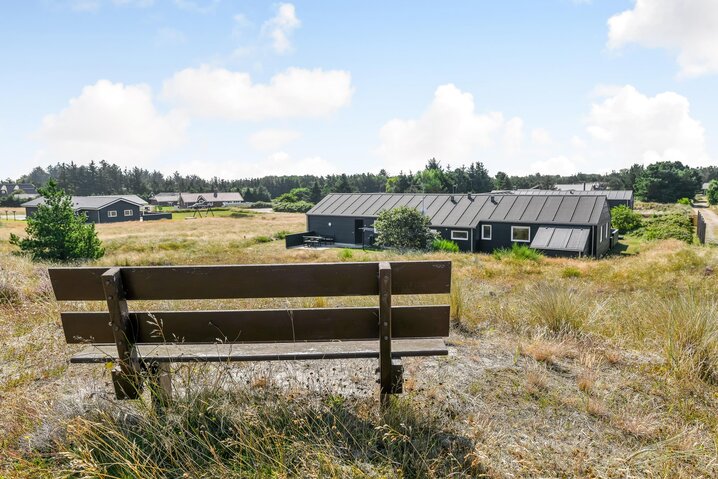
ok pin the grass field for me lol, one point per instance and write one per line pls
(557, 368)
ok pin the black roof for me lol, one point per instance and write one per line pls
(468, 210)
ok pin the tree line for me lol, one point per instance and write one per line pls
(662, 181)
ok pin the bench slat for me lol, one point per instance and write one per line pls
(265, 351)
(253, 281)
(261, 325)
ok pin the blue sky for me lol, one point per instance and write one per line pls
(237, 89)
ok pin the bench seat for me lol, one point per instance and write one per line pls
(176, 353)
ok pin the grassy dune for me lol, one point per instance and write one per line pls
(558, 367)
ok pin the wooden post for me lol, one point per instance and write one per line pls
(385, 379)
(160, 385)
(128, 379)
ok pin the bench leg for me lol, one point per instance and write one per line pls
(160, 385)
(126, 387)
(397, 376)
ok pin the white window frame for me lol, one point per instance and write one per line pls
(112, 213)
(129, 213)
(463, 233)
(520, 240)
(491, 232)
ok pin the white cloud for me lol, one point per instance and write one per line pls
(637, 128)
(94, 5)
(449, 130)
(541, 136)
(688, 27)
(557, 165)
(280, 27)
(271, 139)
(110, 121)
(513, 135)
(296, 92)
(279, 163)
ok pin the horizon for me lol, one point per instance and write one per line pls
(216, 88)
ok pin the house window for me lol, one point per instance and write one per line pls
(485, 232)
(112, 214)
(128, 213)
(459, 235)
(521, 234)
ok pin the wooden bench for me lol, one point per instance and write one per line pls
(142, 344)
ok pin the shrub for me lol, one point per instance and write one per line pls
(280, 235)
(403, 228)
(295, 207)
(684, 201)
(669, 226)
(345, 254)
(263, 239)
(712, 192)
(56, 233)
(625, 219)
(441, 244)
(517, 252)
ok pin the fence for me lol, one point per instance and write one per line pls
(156, 216)
(701, 228)
(296, 239)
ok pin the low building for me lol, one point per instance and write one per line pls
(578, 186)
(100, 209)
(215, 199)
(566, 225)
(614, 197)
(165, 199)
(7, 189)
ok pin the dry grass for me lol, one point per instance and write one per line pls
(560, 367)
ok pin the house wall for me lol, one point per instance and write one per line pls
(101, 215)
(342, 228)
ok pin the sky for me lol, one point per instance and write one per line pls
(242, 89)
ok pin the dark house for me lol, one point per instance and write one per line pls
(7, 189)
(614, 197)
(216, 199)
(100, 209)
(566, 225)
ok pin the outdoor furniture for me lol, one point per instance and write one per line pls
(142, 344)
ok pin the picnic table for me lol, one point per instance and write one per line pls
(312, 240)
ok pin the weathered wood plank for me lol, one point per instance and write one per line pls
(260, 325)
(385, 330)
(178, 353)
(128, 382)
(253, 281)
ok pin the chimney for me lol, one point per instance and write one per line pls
(215, 193)
(470, 196)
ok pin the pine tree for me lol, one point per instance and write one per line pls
(56, 233)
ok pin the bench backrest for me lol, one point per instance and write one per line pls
(116, 286)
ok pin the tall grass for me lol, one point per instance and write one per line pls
(557, 308)
(264, 433)
(691, 338)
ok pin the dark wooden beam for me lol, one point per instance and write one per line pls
(128, 381)
(385, 281)
(260, 325)
(253, 281)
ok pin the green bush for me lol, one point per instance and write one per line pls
(712, 192)
(517, 252)
(403, 228)
(684, 201)
(444, 245)
(346, 254)
(571, 272)
(669, 226)
(280, 235)
(56, 233)
(295, 207)
(625, 219)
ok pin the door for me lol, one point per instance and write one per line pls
(358, 231)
